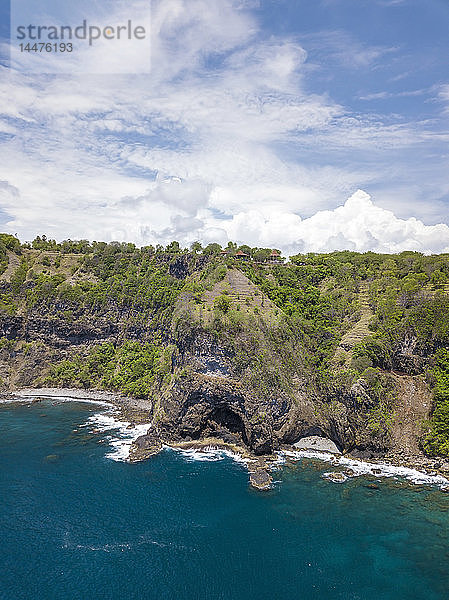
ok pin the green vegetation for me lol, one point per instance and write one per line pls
(132, 368)
(7, 243)
(222, 304)
(137, 307)
(379, 395)
(318, 314)
(436, 440)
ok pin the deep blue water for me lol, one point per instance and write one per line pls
(77, 525)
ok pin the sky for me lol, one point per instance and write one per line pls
(307, 126)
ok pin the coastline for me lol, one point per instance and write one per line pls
(82, 394)
(133, 410)
(69, 393)
(133, 415)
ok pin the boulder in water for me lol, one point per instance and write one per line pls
(315, 442)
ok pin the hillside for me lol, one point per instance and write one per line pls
(238, 346)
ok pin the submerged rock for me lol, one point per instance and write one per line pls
(336, 477)
(372, 486)
(51, 458)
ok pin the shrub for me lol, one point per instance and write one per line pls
(222, 304)
(436, 439)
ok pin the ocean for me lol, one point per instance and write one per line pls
(77, 522)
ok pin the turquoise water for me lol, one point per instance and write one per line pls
(77, 525)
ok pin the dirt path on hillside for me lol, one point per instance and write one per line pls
(414, 405)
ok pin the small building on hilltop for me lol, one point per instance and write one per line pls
(275, 257)
(241, 255)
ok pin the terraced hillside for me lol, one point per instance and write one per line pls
(358, 332)
(244, 296)
(433, 289)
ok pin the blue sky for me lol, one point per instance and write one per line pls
(306, 125)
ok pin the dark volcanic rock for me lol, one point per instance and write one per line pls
(56, 331)
(179, 268)
(205, 406)
(11, 327)
(365, 453)
(261, 439)
(259, 476)
(184, 264)
(210, 405)
(145, 446)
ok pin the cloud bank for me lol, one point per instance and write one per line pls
(357, 225)
(184, 211)
(225, 139)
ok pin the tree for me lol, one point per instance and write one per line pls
(261, 254)
(246, 249)
(438, 279)
(173, 247)
(212, 249)
(42, 243)
(196, 247)
(10, 242)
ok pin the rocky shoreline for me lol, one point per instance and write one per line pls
(124, 402)
(259, 466)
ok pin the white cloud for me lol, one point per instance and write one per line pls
(357, 225)
(444, 96)
(342, 48)
(237, 150)
(363, 226)
(385, 95)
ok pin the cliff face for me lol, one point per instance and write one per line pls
(239, 369)
(210, 402)
(209, 407)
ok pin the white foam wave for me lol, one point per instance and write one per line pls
(55, 400)
(335, 477)
(14, 400)
(102, 422)
(359, 467)
(123, 437)
(208, 454)
(118, 546)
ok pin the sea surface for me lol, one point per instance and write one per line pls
(76, 522)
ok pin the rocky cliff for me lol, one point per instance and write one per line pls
(242, 367)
